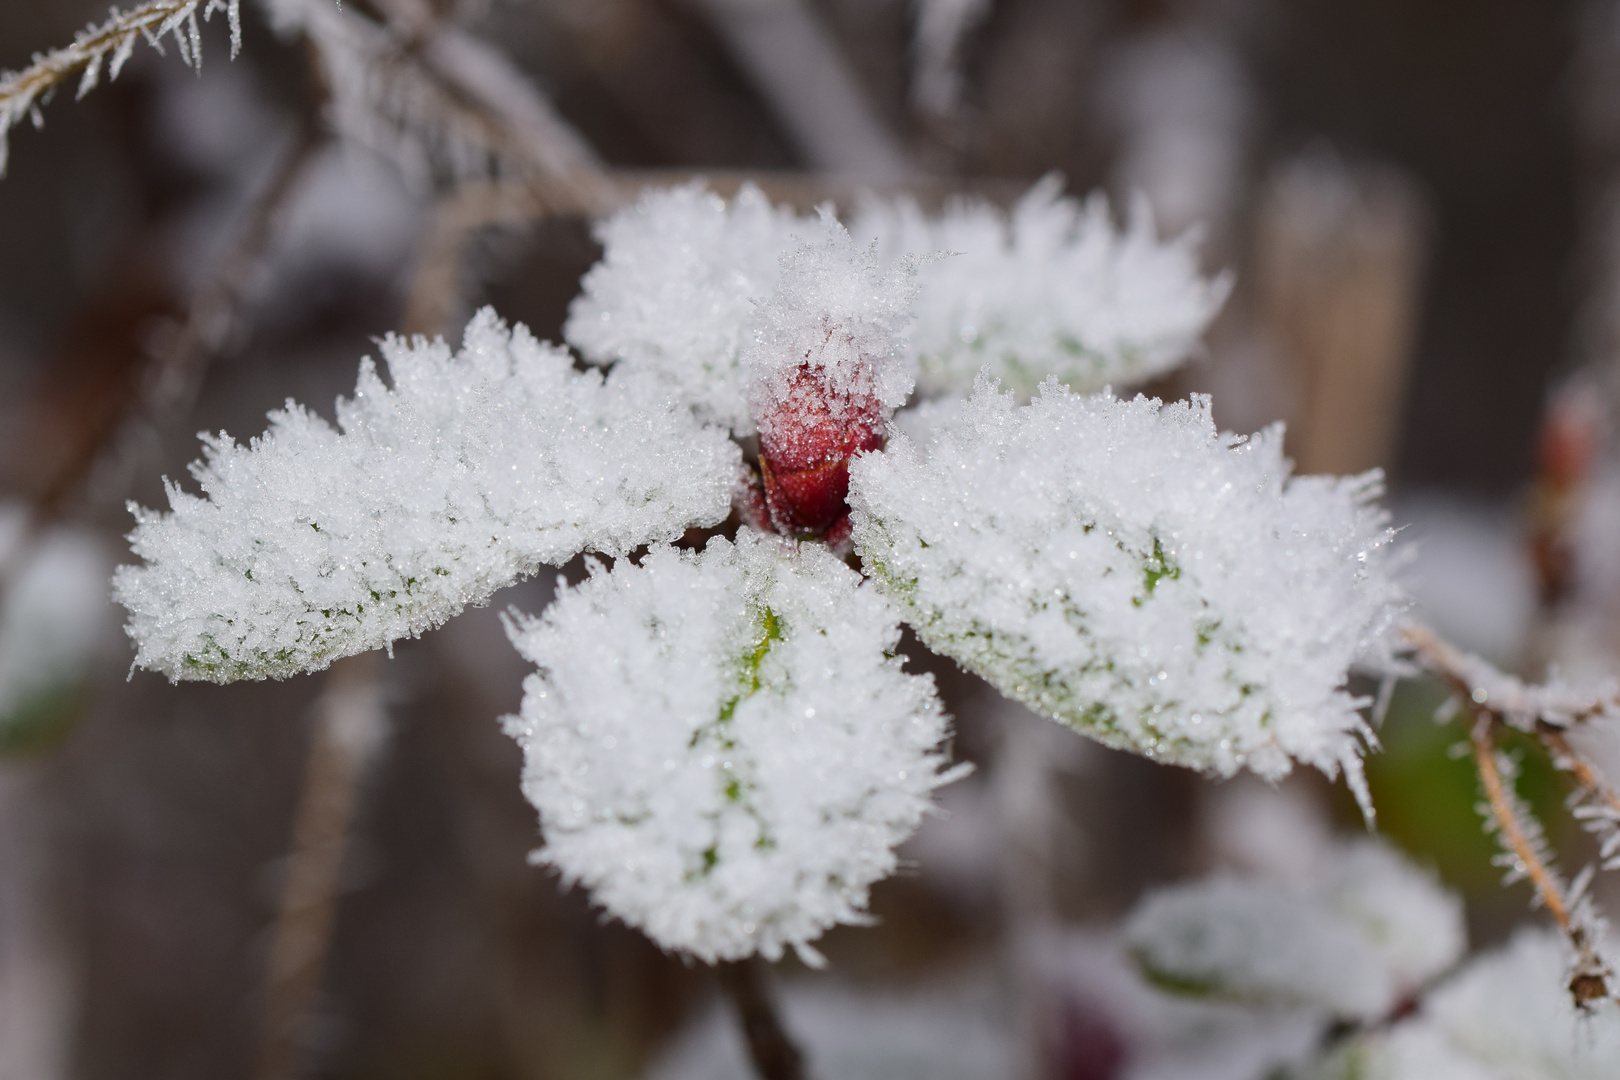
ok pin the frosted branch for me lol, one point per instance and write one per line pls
(108, 45)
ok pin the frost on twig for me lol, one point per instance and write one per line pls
(437, 101)
(313, 543)
(1123, 567)
(108, 44)
(1494, 700)
(723, 748)
(1052, 289)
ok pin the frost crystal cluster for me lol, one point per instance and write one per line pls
(723, 747)
(1124, 567)
(1054, 289)
(315, 542)
(1051, 289)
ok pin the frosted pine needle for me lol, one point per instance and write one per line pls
(314, 543)
(1125, 568)
(110, 44)
(1053, 288)
(723, 748)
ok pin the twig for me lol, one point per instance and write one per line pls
(770, 1047)
(1514, 833)
(1472, 683)
(350, 727)
(22, 92)
(178, 373)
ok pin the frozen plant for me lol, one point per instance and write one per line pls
(108, 46)
(720, 738)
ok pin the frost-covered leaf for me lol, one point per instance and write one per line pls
(1123, 567)
(723, 748)
(1362, 933)
(314, 543)
(1413, 921)
(680, 276)
(53, 625)
(1053, 288)
(1251, 941)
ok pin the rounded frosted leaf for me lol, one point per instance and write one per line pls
(472, 470)
(1123, 567)
(722, 747)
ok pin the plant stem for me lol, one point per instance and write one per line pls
(770, 1047)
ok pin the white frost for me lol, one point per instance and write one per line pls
(832, 312)
(473, 470)
(1050, 289)
(1123, 567)
(680, 276)
(723, 748)
(1368, 931)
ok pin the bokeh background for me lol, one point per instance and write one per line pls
(1418, 201)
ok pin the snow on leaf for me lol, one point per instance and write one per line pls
(1124, 568)
(680, 274)
(722, 747)
(1363, 933)
(1053, 288)
(474, 469)
(1255, 942)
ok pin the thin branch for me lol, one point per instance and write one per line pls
(350, 728)
(770, 1047)
(1496, 701)
(22, 92)
(1515, 835)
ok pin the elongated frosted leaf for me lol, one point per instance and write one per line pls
(315, 542)
(1124, 568)
(723, 748)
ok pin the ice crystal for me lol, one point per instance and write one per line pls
(1125, 568)
(313, 543)
(723, 748)
(1050, 289)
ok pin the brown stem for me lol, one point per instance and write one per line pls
(1518, 841)
(770, 1047)
(347, 731)
(1570, 760)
